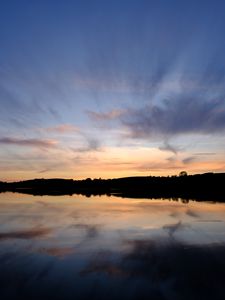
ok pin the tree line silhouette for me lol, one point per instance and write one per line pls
(207, 186)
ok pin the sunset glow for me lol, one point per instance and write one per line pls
(111, 88)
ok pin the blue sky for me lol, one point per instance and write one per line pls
(111, 88)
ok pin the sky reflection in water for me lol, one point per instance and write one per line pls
(107, 247)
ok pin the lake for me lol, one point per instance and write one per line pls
(101, 247)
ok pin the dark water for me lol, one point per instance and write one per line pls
(110, 248)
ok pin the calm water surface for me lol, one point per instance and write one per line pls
(73, 247)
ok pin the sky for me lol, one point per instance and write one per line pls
(92, 88)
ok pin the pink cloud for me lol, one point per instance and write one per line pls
(63, 128)
(110, 115)
(46, 143)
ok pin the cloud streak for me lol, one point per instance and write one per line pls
(182, 115)
(93, 145)
(105, 116)
(62, 128)
(42, 143)
(189, 159)
(168, 147)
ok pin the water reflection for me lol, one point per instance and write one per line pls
(72, 247)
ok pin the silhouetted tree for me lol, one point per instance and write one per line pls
(183, 173)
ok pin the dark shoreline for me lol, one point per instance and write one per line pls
(208, 186)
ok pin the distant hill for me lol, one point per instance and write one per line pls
(208, 186)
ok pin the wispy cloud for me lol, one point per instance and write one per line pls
(205, 153)
(189, 159)
(62, 128)
(51, 166)
(182, 115)
(105, 116)
(93, 144)
(42, 143)
(168, 147)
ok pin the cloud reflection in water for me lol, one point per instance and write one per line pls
(99, 247)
